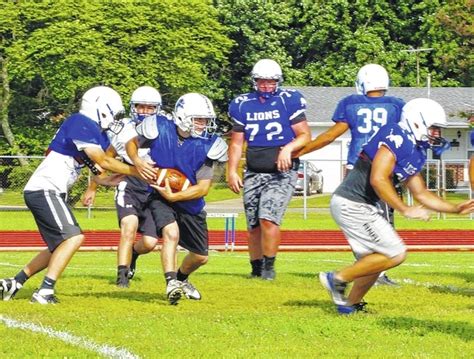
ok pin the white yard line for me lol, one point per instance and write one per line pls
(429, 285)
(102, 349)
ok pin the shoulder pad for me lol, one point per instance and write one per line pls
(148, 128)
(166, 115)
(218, 150)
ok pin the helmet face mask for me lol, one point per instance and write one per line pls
(371, 77)
(424, 118)
(148, 96)
(117, 124)
(266, 69)
(194, 114)
(104, 106)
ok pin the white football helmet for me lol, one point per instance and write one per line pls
(145, 95)
(191, 106)
(266, 69)
(371, 77)
(104, 106)
(418, 116)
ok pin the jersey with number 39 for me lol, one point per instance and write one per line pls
(365, 116)
(268, 123)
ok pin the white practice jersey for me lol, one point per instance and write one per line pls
(57, 172)
(118, 141)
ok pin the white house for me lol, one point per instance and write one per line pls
(458, 103)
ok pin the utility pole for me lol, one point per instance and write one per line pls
(416, 52)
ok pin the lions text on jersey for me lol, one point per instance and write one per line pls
(268, 123)
(365, 116)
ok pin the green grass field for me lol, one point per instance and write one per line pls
(107, 220)
(428, 316)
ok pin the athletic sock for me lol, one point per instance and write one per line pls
(268, 262)
(257, 266)
(122, 270)
(48, 283)
(169, 276)
(181, 276)
(21, 277)
(135, 255)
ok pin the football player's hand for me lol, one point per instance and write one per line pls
(284, 159)
(465, 207)
(418, 212)
(146, 170)
(235, 182)
(89, 197)
(298, 153)
(165, 191)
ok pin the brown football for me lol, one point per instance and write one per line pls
(178, 181)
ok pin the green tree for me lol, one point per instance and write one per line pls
(259, 29)
(62, 48)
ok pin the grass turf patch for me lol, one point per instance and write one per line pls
(429, 315)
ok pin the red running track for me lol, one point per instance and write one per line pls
(425, 240)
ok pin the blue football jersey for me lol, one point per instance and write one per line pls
(365, 116)
(187, 156)
(80, 128)
(472, 138)
(268, 124)
(410, 158)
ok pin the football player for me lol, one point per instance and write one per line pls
(132, 193)
(189, 145)
(272, 122)
(81, 140)
(363, 114)
(397, 149)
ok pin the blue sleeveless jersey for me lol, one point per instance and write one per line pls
(267, 124)
(365, 116)
(410, 158)
(187, 157)
(81, 128)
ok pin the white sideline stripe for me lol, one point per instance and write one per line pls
(435, 285)
(105, 350)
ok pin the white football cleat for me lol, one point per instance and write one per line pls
(8, 288)
(190, 291)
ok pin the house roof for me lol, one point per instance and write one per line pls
(456, 101)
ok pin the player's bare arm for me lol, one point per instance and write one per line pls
(146, 170)
(323, 139)
(109, 163)
(303, 136)
(417, 186)
(196, 191)
(381, 180)
(235, 153)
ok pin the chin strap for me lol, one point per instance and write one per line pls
(265, 95)
(439, 146)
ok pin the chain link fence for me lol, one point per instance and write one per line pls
(447, 178)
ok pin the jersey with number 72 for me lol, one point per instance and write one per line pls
(268, 124)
